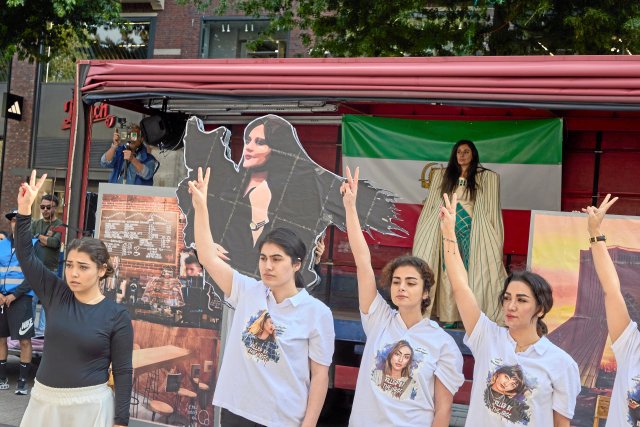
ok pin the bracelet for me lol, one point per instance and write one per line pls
(455, 244)
(596, 239)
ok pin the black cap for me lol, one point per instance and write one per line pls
(11, 214)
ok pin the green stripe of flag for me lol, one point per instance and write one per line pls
(504, 141)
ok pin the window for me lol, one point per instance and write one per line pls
(131, 39)
(240, 38)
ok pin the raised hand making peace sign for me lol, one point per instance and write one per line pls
(28, 192)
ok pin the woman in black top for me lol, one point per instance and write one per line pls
(85, 333)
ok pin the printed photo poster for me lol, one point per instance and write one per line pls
(274, 184)
(175, 312)
(559, 251)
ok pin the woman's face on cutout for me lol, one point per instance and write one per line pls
(256, 152)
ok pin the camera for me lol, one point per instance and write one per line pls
(122, 131)
(125, 132)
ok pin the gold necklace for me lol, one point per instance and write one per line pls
(521, 348)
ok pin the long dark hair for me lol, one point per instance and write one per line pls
(453, 171)
(96, 250)
(419, 264)
(541, 290)
(285, 157)
(291, 244)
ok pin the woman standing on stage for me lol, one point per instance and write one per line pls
(85, 333)
(289, 374)
(624, 409)
(478, 230)
(410, 367)
(552, 380)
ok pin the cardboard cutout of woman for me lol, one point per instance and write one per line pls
(275, 184)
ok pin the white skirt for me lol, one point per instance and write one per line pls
(69, 407)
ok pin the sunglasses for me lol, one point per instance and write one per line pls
(48, 207)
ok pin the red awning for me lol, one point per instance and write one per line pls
(596, 80)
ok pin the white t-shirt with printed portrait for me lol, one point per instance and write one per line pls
(265, 367)
(624, 409)
(518, 389)
(417, 354)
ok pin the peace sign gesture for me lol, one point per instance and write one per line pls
(596, 215)
(447, 216)
(349, 188)
(28, 192)
(199, 188)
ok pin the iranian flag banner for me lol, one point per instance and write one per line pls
(394, 154)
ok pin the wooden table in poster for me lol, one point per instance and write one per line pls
(148, 359)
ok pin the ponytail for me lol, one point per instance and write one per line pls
(299, 280)
(541, 327)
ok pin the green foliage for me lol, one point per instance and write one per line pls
(448, 27)
(38, 29)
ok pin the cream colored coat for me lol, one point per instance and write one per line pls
(486, 268)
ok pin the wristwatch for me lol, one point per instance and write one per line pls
(595, 239)
(255, 227)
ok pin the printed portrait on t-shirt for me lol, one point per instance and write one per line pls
(633, 400)
(507, 393)
(259, 338)
(394, 370)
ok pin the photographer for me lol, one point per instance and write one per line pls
(129, 159)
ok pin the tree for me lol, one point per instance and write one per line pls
(450, 27)
(27, 27)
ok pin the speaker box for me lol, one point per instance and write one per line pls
(164, 130)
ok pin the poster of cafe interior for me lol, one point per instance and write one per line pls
(176, 316)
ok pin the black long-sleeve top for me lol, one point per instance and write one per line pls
(82, 340)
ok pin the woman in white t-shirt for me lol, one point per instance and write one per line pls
(519, 377)
(624, 409)
(280, 344)
(410, 367)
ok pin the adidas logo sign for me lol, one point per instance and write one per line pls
(15, 109)
(12, 105)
